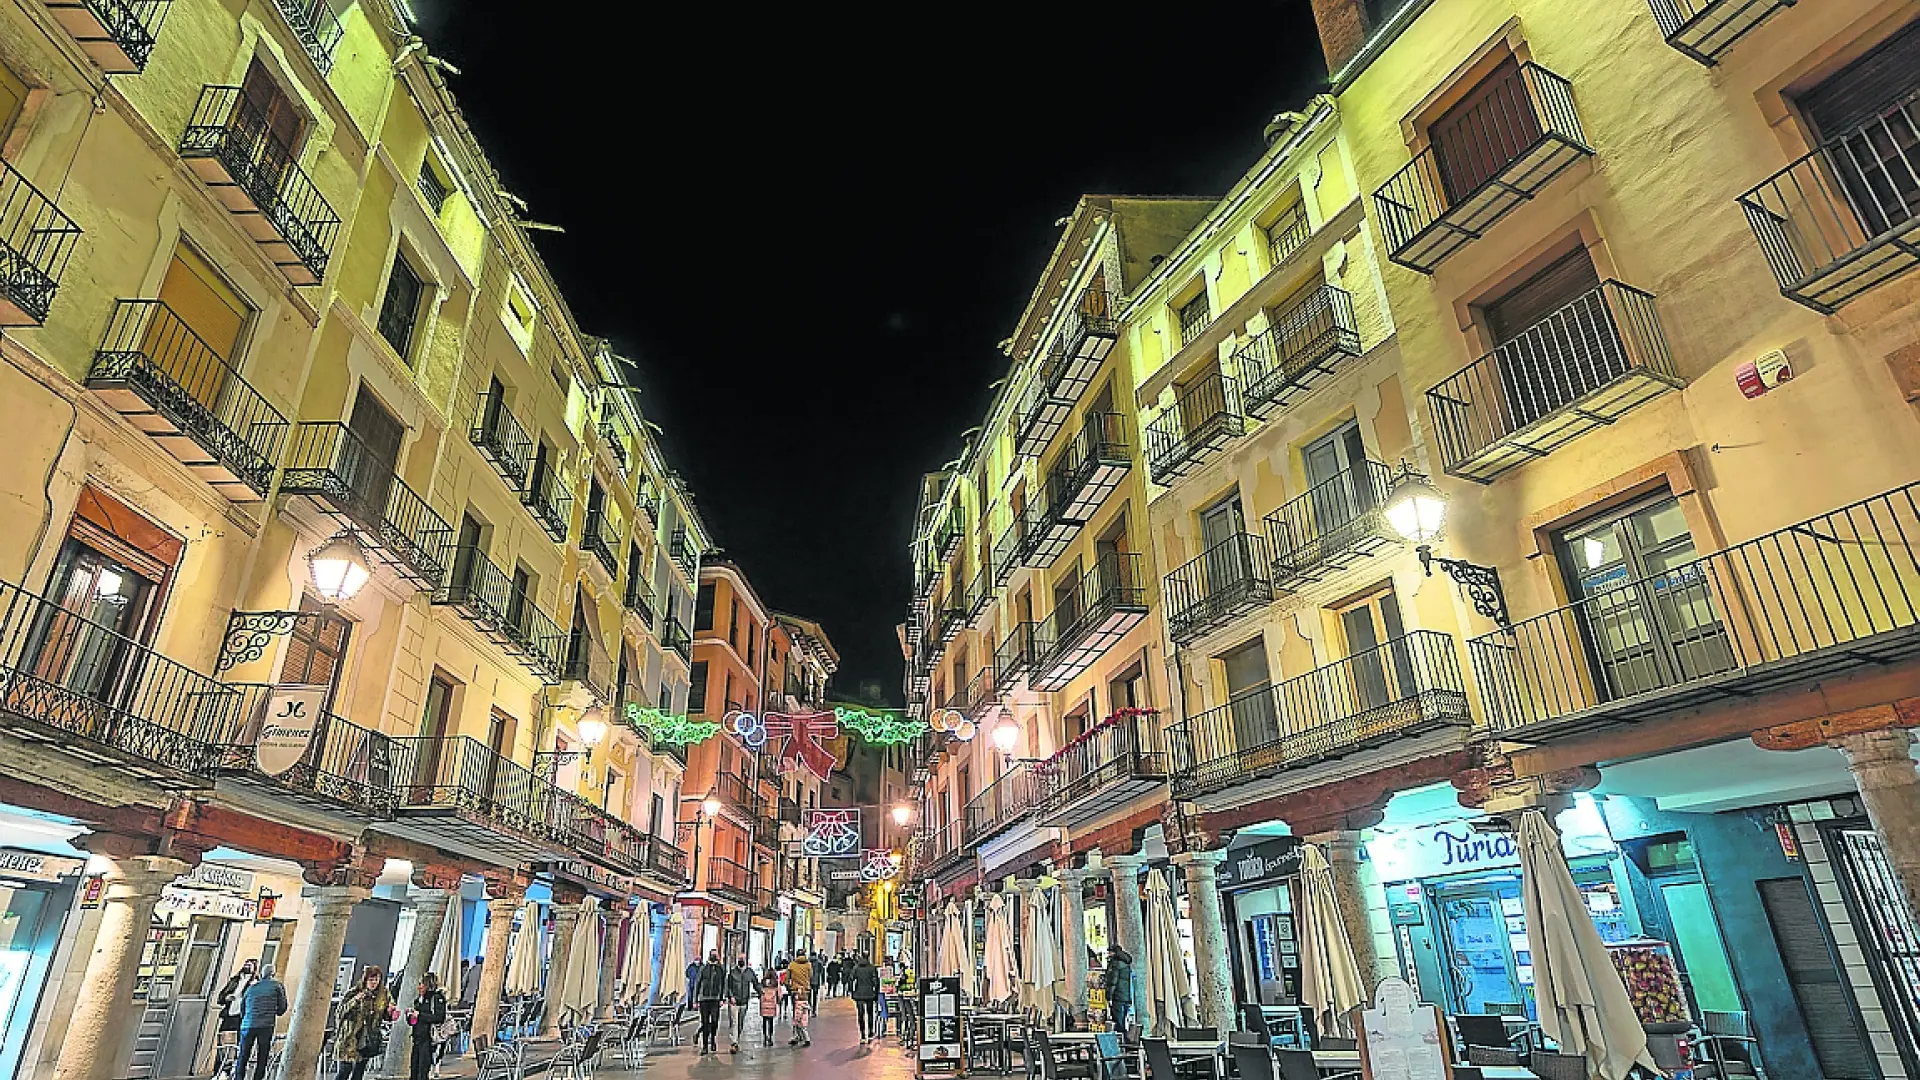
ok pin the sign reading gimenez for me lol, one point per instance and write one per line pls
(286, 730)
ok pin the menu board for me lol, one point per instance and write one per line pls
(939, 1042)
(1401, 1039)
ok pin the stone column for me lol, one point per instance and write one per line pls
(1342, 848)
(612, 932)
(429, 914)
(1890, 789)
(331, 908)
(504, 896)
(1130, 927)
(99, 1038)
(566, 916)
(1209, 937)
(1073, 936)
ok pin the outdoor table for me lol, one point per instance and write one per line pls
(1200, 1048)
(1337, 1060)
(997, 1023)
(1506, 1072)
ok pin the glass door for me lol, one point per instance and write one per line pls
(1338, 491)
(1376, 676)
(1478, 925)
(83, 642)
(1255, 720)
(1227, 563)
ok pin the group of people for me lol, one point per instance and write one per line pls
(253, 1000)
(792, 986)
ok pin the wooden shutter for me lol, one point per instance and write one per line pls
(1818, 987)
(1886, 74)
(1485, 131)
(283, 121)
(1541, 295)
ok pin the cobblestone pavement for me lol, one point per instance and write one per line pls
(836, 1054)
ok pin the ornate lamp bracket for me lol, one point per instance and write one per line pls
(1482, 583)
(248, 635)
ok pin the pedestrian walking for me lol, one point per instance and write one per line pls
(261, 1006)
(864, 986)
(428, 1013)
(819, 962)
(709, 990)
(1117, 980)
(769, 1005)
(833, 976)
(800, 985)
(360, 1033)
(742, 991)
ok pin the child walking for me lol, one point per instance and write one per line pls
(769, 1005)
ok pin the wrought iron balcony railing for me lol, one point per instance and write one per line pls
(1090, 467)
(586, 662)
(1408, 686)
(1111, 601)
(1086, 334)
(1007, 550)
(486, 597)
(315, 27)
(1001, 805)
(732, 789)
(346, 769)
(954, 616)
(647, 502)
(154, 370)
(71, 681)
(680, 550)
(601, 539)
(947, 537)
(457, 790)
(501, 440)
(1048, 534)
(1331, 525)
(547, 500)
(1305, 344)
(117, 35)
(1016, 656)
(1231, 577)
(678, 638)
(983, 693)
(1587, 364)
(1706, 29)
(945, 847)
(1846, 217)
(1287, 234)
(349, 481)
(615, 443)
(589, 832)
(1520, 133)
(979, 597)
(1204, 418)
(1091, 326)
(1109, 767)
(36, 238)
(1813, 600)
(725, 877)
(666, 860)
(640, 600)
(231, 146)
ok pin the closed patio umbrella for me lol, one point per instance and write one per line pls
(969, 957)
(523, 958)
(1044, 966)
(1001, 971)
(1583, 1005)
(673, 960)
(581, 992)
(446, 951)
(1167, 991)
(636, 965)
(951, 940)
(1330, 981)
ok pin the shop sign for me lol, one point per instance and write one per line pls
(202, 902)
(1455, 847)
(34, 866)
(1267, 861)
(287, 730)
(215, 876)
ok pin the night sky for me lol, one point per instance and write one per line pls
(810, 226)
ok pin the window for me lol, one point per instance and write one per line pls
(1194, 317)
(270, 950)
(212, 310)
(751, 658)
(1381, 668)
(1129, 689)
(733, 625)
(518, 312)
(400, 310)
(273, 111)
(436, 721)
(1554, 340)
(1485, 131)
(703, 607)
(317, 645)
(432, 188)
(13, 100)
(1869, 111)
(1250, 707)
(697, 688)
(1287, 233)
(525, 588)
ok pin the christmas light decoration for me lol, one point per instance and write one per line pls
(878, 728)
(751, 729)
(800, 735)
(832, 834)
(671, 728)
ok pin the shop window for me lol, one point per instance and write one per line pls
(1869, 114)
(276, 940)
(400, 310)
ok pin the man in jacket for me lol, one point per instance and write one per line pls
(864, 985)
(743, 989)
(800, 985)
(261, 1007)
(834, 969)
(1117, 980)
(709, 990)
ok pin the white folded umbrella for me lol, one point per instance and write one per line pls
(1583, 1004)
(1330, 981)
(1001, 971)
(523, 957)
(446, 951)
(636, 967)
(582, 990)
(673, 959)
(969, 958)
(1168, 994)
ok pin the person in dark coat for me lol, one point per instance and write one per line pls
(261, 1007)
(429, 1012)
(834, 968)
(232, 992)
(864, 986)
(709, 990)
(1117, 980)
(743, 989)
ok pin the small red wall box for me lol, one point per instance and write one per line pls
(1756, 377)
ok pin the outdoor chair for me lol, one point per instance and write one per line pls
(625, 1035)
(493, 1060)
(1162, 1066)
(1299, 1065)
(1111, 1055)
(1060, 1063)
(986, 1048)
(1490, 1055)
(1730, 1048)
(663, 1018)
(1253, 1062)
(1557, 1066)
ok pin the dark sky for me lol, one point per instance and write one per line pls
(811, 224)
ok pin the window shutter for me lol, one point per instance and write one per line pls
(1842, 1052)
(1541, 295)
(1887, 73)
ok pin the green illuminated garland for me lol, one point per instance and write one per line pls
(670, 728)
(880, 729)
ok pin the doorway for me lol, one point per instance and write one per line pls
(1338, 488)
(1476, 930)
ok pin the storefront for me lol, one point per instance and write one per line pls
(37, 890)
(1258, 888)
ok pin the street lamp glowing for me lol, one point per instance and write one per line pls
(902, 813)
(711, 807)
(1416, 510)
(593, 727)
(339, 568)
(1006, 736)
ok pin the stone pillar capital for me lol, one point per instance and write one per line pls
(1120, 864)
(360, 869)
(1200, 862)
(506, 885)
(565, 896)
(437, 876)
(337, 901)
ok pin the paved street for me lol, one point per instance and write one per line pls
(836, 1053)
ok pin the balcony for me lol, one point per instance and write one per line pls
(1204, 418)
(155, 371)
(979, 599)
(1090, 468)
(1706, 29)
(639, 601)
(601, 539)
(351, 483)
(501, 440)
(954, 616)
(117, 35)
(548, 502)
(982, 694)
(680, 550)
(1406, 687)
(948, 536)
(616, 446)
(587, 666)
(732, 789)
(457, 793)
(1844, 218)
(1006, 802)
(1587, 364)
(1048, 534)
(1230, 578)
(35, 240)
(587, 832)
(1109, 767)
(1330, 526)
(678, 638)
(729, 879)
(1086, 334)
(1520, 133)
(1006, 551)
(946, 848)
(1305, 344)
(1112, 600)
(1815, 600)
(230, 145)
(666, 861)
(346, 769)
(70, 681)
(765, 901)
(486, 597)
(1017, 656)
(315, 27)
(788, 811)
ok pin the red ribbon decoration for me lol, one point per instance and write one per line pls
(800, 735)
